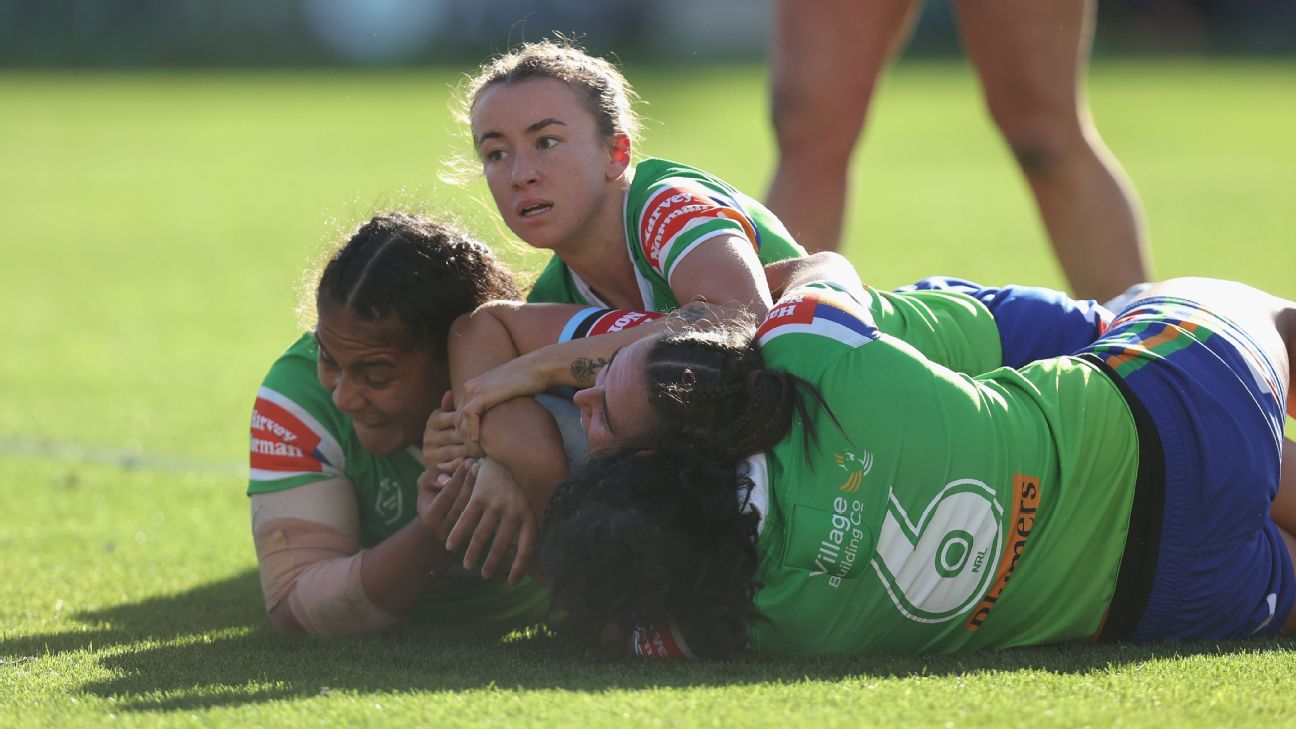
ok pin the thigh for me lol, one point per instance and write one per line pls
(826, 55)
(1029, 55)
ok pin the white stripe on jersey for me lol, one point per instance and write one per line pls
(821, 327)
(691, 246)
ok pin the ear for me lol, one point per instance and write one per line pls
(618, 156)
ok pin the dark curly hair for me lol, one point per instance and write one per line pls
(658, 532)
(419, 271)
(637, 540)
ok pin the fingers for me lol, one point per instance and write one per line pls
(503, 544)
(490, 520)
(469, 426)
(441, 440)
(442, 498)
(526, 549)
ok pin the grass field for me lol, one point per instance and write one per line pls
(155, 229)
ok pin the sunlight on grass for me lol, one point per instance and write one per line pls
(158, 223)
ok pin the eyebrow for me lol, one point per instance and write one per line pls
(607, 418)
(546, 122)
(359, 364)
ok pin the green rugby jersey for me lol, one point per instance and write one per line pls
(954, 511)
(670, 208)
(300, 437)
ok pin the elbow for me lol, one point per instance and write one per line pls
(488, 315)
(283, 621)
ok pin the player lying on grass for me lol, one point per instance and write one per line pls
(820, 485)
(335, 435)
(487, 368)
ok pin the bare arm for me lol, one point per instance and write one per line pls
(723, 270)
(534, 368)
(314, 576)
(826, 266)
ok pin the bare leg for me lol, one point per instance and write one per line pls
(1031, 58)
(825, 59)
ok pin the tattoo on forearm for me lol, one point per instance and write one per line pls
(583, 369)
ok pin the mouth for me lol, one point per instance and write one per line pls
(534, 209)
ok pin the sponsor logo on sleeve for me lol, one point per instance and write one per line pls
(282, 442)
(824, 313)
(677, 205)
(616, 320)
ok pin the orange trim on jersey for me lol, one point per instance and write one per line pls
(1026, 497)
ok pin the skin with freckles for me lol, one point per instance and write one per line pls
(553, 176)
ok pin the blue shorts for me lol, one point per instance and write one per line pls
(1217, 404)
(1034, 322)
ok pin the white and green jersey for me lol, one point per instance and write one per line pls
(670, 209)
(951, 510)
(298, 436)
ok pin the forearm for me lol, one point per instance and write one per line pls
(395, 572)
(574, 363)
(314, 576)
(521, 436)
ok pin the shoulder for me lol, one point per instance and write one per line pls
(819, 311)
(297, 434)
(553, 285)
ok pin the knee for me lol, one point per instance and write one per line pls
(1043, 136)
(818, 120)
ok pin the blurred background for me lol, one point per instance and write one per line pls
(169, 168)
(339, 32)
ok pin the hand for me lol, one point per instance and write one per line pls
(441, 504)
(515, 378)
(499, 506)
(443, 449)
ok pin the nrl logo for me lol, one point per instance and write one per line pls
(390, 501)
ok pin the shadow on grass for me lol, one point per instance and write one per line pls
(212, 647)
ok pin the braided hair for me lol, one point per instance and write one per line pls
(712, 391)
(421, 272)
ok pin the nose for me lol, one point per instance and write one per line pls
(523, 171)
(583, 398)
(346, 396)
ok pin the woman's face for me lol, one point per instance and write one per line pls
(616, 410)
(548, 167)
(387, 390)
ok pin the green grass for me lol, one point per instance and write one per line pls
(155, 229)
